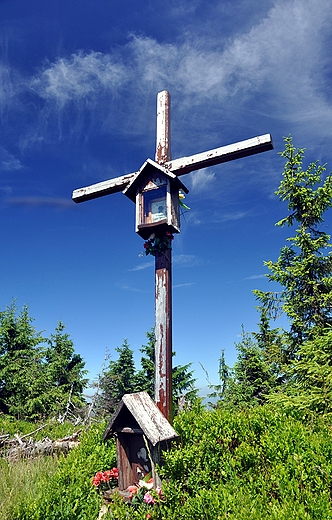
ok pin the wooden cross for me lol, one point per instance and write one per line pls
(163, 262)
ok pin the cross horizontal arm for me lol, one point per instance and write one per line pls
(220, 155)
(102, 188)
(181, 166)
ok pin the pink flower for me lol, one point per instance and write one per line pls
(132, 490)
(148, 499)
(159, 491)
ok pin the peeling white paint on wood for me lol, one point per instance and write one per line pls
(182, 166)
(163, 148)
(151, 421)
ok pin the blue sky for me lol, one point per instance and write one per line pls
(78, 90)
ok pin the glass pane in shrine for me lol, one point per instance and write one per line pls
(155, 208)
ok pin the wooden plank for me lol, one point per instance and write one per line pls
(154, 425)
(181, 166)
(163, 333)
(102, 188)
(146, 413)
(163, 145)
(220, 155)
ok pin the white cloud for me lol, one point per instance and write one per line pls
(186, 260)
(8, 162)
(188, 284)
(202, 179)
(255, 276)
(83, 75)
(144, 265)
(281, 62)
(284, 54)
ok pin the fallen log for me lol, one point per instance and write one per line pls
(17, 448)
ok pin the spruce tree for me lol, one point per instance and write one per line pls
(304, 266)
(65, 372)
(183, 382)
(119, 378)
(22, 378)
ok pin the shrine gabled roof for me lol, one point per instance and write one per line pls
(147, 415)
(146, 169)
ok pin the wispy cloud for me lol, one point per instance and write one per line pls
(213, 217)
(213, 74)
(186, 260)
(188, 284)
(8, 162)
(82, 76)
(130, 288)
(202, 180)
(255, 276)
(144, 265)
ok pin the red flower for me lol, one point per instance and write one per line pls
(107, 475)
(146, 245)
(97, 478)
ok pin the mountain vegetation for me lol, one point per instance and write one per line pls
(261, 450)
(292, 367)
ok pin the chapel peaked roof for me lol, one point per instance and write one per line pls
(144, 413)
(145, 170)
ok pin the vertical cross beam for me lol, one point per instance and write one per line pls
(163, 144)
(163, 280)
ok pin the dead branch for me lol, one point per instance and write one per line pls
(15, 448)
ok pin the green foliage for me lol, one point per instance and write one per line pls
(310, 389)
(52, 429)
(21, 357)
(118, 379)
(65, 371)
(261, 463)
(256, 464)
(122, 377)
(304, 266)
(35, 379)
(183, 382)
(68, 493)
(252, 376)
(284, 366)
(23, 482)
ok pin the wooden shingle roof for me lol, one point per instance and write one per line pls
(139, 411)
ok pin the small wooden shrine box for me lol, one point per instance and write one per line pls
(156, 193)
(142, 433)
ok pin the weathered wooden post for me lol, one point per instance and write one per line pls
(155, 189)
(156, 193)
(163, 279)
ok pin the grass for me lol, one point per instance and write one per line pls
(23, 481)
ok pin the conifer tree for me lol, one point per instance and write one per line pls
(65, 371)
(118, 379)
(21, 362)
(304, 266)
(183, 382)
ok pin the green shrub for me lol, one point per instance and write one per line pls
(252, 464)
(68, 494)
